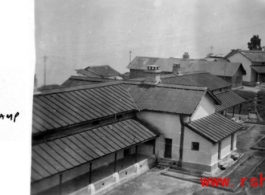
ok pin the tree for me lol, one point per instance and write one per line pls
(254, 43)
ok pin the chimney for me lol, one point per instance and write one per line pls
(152, 75)
(186, 56)
(176, 69)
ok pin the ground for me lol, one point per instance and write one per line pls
(154, 183)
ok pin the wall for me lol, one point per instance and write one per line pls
(246, 64)
(203, 156)
(168, 125)
(214, 158)
(205, 108)
(235, 140)
(136, 73)
(226, 147)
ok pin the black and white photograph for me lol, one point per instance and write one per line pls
(146, 97)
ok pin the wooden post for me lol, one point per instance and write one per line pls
(90, 172)
(240, 108)
(136, 153)
(115, 162)
(60, 187)
(233, 111)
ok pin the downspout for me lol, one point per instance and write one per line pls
(182, 127)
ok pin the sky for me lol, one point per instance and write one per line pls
(74, 34)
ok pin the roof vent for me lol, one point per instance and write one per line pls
(176, 69)
(152, 75)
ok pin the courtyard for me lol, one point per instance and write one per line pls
(153, 182)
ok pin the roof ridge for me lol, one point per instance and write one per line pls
(80, 87)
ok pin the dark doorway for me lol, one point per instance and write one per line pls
(219, 150)
(127, 152)
(168, 148)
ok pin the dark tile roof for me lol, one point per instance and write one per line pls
(214, 127)
(252, 55)
(173, 100)
(219, 68)
(59, 155)
(208, 80)
(259, 69)
(228, 99)
(101, 71)
(81, 80)
(70, 106)
(165, 64)
(179, 80)
(48, 87)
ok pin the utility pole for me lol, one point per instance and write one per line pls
(130, 57)
(211, 49)
(45, 58)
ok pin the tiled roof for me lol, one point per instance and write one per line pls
(174, 100)
(259, 69)
(219, 68)
(208, 80)
(214, 127)
(179, 80)
(252, 55)
(165, 64)
(228, 99)
(102, 71)
(81, 80)
(70, 106)
(59, 155)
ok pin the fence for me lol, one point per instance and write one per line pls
(114, 180)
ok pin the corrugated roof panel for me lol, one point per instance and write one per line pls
(48, 158)
(96, 142)
(157, 98)
(79, 105)
(39, 169)
(63, 97)
(38, 117)
(208, 80)
(35, 176)
(69, 107)
(85, 104)
(89, 145)
(65, 107)
(124, 96)
(49, 101)
(108, 131)
(55, 155)
(61, 154)
(96, 104)
(76, 148)
(114, 138)
(56, 118)
(100, 141)
(83, 147)
(64, 145)
(41, 161)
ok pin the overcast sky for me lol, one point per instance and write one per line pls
(77, 33)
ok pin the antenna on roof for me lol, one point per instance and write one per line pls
(45, 58)
(130, 57)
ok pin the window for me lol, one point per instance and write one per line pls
(119, 117)
(195, 146)
(95, 122)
